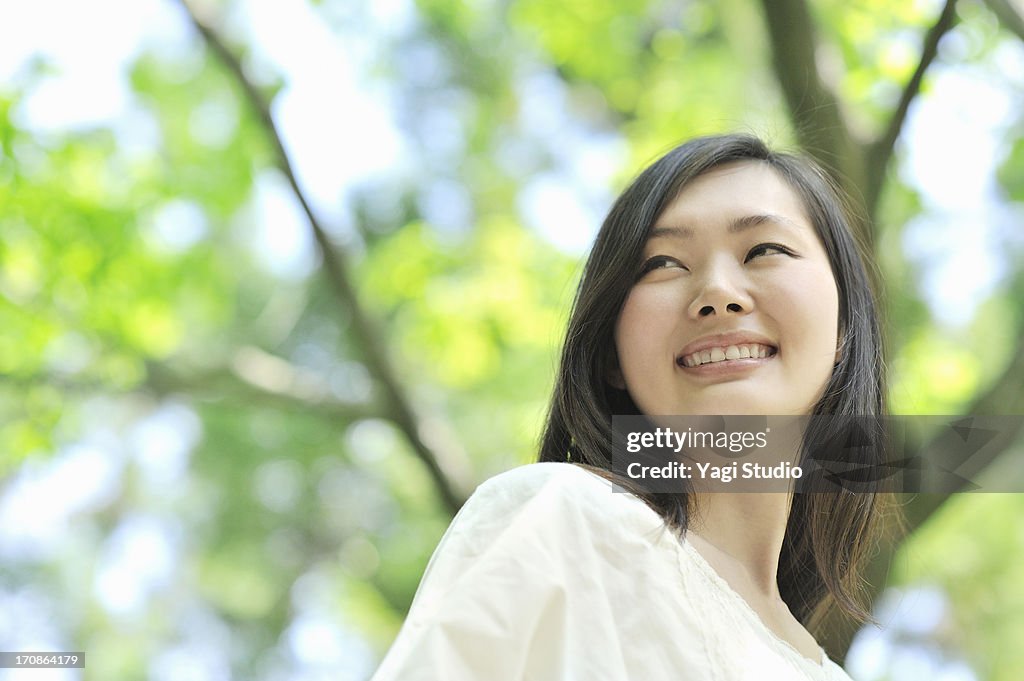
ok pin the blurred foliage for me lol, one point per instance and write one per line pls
(971, 552)
(250, 492)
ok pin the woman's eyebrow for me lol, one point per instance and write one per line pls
(736, 225)
(748, 221)
(670, 233)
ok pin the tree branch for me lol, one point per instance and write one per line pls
(288, 388)
(881, 150)
(1004, 397)
(814, 109)
(370, 340)
(1008, 15)
(261, 378)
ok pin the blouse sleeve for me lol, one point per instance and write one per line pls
(501, 596)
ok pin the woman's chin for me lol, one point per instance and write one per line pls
(730, 408)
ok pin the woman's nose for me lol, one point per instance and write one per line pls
(722, 291)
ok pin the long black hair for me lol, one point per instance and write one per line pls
(827, 536)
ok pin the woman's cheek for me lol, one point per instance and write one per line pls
(645, 328)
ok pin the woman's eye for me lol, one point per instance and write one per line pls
(660, 262)
(767, 249)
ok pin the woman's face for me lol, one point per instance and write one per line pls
(735, 310)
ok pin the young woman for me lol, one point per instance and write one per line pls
(725, 280)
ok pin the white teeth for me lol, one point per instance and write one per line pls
(749, 350)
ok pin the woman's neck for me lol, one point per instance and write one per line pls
(747, 529)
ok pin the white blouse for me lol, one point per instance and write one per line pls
(547, 574)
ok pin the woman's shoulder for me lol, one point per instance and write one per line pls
(531, 479)
(561, 483)
(540, 562)
(549, 499)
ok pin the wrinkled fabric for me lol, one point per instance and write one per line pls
(547, 574)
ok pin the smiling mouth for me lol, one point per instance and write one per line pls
(726, 353)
